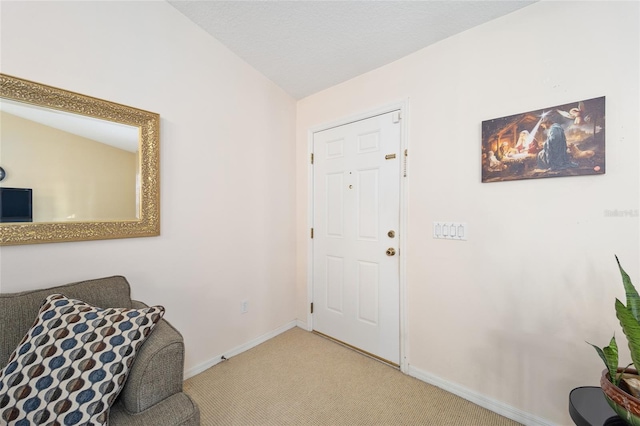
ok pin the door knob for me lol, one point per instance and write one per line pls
(391, 251)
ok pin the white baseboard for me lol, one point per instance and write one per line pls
(239, 349)
(303, 325)
(498, 407)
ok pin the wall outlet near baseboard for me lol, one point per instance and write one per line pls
(244, 306)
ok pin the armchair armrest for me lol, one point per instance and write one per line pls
(157, 372)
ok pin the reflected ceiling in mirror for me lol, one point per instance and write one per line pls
(91, 165)
(77, 168)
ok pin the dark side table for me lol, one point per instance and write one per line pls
(587, 407)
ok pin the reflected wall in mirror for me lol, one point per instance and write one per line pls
(78, 168)
(91, 166)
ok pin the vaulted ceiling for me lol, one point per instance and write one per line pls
(307, 46)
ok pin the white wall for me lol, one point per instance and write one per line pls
(227, 158)
(506, 313)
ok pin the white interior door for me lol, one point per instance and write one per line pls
(356, 290)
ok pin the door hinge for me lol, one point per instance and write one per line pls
(404, 165)
(396, 117)
(312, 158)
(311, 232)
(311, 307)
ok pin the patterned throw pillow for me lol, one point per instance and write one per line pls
(73, 362)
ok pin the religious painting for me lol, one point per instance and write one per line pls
(562, 140)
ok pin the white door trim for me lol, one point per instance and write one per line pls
(403, 106)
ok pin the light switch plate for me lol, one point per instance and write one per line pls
(450, 230)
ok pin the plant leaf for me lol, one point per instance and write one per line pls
(610, 357)
(631, 329)
(633, 299)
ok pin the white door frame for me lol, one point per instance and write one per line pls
(403, 106)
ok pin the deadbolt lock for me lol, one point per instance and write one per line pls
(391, 234)
(391, 251)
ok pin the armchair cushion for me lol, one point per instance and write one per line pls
(158, 371)
(73, 362)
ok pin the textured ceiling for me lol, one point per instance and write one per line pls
(308, 46)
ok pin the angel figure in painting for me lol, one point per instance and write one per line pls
(578, 115)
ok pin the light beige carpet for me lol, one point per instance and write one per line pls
(299, 378)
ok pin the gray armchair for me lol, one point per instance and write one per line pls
(152, 394)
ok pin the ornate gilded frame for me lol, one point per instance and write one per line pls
(148, 123)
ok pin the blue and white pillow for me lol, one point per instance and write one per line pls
(73, 362)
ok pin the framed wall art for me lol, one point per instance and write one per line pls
(561, 140)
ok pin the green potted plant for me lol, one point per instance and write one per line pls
(621, 386)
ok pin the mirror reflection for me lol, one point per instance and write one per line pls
(74, 167)
(63, 167)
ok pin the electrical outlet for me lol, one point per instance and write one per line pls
(244, 307)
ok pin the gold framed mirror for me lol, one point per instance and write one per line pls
(80, 168)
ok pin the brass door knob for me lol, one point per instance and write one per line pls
(391, 251)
